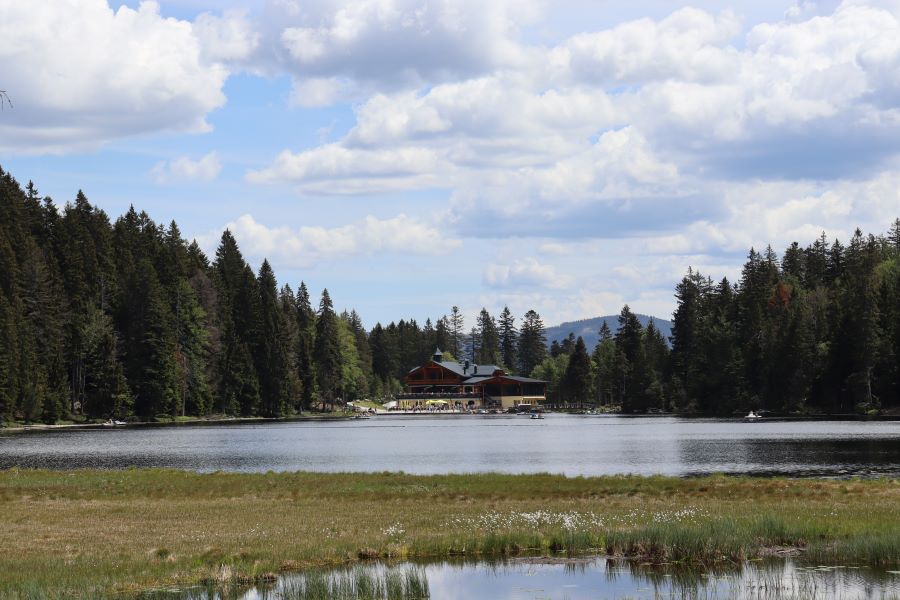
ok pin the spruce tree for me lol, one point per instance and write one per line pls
(271, 351)
(532, 342)
(656, 353)
(577, 383)
(327, 352)
(509, 340)
(385, 359)
(238, 380)
(306, 331)
(442, 334)
(151, 364)
(455, 331)
(604, 361)
(364, 351)
(489, 340)
(633, 370)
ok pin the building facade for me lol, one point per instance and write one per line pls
(450, 384)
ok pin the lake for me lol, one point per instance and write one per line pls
(569, 444)
(576, 579)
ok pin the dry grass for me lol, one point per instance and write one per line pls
(84, 533)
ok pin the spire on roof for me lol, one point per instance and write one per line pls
(438, 356)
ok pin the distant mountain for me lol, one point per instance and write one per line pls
(589, 328)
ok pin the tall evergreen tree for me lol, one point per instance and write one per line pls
(604, 360)
(577, 386)
(239, 383)
(151, 367)
(532, 342)
(634, 374)
(488, 340)
(272, 362)
(306, 325)
(385, 357)
(327, 352)
(509, 340)
(455, 331)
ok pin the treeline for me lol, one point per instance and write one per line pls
(103, 319)
(814, 330)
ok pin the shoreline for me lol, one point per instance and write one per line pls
(199, 421)
(40, 427)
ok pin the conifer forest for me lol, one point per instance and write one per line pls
(126, 319)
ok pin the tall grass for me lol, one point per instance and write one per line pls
(359, 583)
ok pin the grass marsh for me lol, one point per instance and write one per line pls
(88, 533)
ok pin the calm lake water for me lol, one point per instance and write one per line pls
(569, 444)
(583, 580)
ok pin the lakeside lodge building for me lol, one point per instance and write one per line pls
(467, 386)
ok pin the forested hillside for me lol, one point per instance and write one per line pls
(815, 329)
(102, 319)
(589, 329)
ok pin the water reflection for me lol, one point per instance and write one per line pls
(532, 579)
(558, 444)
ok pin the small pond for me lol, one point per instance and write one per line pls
(562, 579)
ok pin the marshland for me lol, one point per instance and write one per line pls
(89, 533)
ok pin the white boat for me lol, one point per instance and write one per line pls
(752, 416)
(113, 423)
(537, 415)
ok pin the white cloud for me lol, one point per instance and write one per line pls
(335, 169)
(83, 74)
(397, 43)
(306, 246)
(689, 45)
(316, 92)
(230, 37)
(206, 168)
(810, 98)
(524, 273)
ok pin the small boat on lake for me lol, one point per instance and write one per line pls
(537, 414)
(752, 416)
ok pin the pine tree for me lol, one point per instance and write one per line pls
(151, 368)
(532, 343)
(634, 374)
(894, 235)
(306, 326)
(488, 340)
(509, 340)
(455, 331)
(656, 353)
(442, 334)
(363, 352)
(271, 351)
(577, 384)
(604, 360)
(107, 394)
(385, 356)
(191, 332)
(327, 352)
(237, 298)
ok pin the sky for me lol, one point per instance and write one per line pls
(409, 155)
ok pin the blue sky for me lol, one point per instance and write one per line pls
(409, 155)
